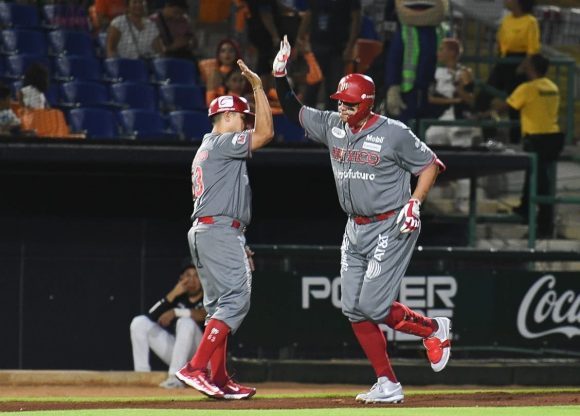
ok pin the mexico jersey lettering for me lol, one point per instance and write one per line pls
(219, 176)
(372, 168)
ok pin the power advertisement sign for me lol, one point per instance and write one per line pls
(501, 310)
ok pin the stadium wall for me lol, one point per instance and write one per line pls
(92, 234)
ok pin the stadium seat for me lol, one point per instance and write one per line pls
(286, 130)
(145, 125)
(16, 65)
(65, 16)
(182, 97)
(71, 42)
(135, 95)
(190, 125)
(123, 69)
(19, 15)
(96, 123)
(53, 94)
(85, 93)
(70, 68)
(18, 41)
(102, 44)
(175, 71)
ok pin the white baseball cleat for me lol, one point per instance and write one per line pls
(383, 391)
(438, 345)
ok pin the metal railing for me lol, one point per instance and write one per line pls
(535, 199)
(473, 217)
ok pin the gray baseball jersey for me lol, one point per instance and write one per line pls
(219, 175)
(221, 189)
(372, 169)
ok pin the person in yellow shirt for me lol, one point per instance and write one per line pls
(518, 36)
(538, 102)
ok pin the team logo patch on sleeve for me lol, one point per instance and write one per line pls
(240, 138)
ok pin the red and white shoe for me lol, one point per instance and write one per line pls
(438, 345)
(199, 380)
(235, 391)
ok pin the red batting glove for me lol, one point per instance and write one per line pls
(279, 64)
(410, 215)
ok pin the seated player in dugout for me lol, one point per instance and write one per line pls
(172, 328)
(373, 158)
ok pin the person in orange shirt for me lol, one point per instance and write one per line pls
(214, 71)
(517, 37)
(103, 11)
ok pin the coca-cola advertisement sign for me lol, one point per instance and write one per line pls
(548, 308)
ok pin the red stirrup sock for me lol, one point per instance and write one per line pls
(219, 373)
(403, 319)
(373, 342)
(213, 336)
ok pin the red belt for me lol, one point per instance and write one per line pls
(209, 220)
(360, 220)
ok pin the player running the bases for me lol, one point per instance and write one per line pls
(372, 159)
(222, 210)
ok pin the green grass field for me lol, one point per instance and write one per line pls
(368, 410)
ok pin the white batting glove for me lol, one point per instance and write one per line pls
(279, 64)
(395, 104)
(410, 215)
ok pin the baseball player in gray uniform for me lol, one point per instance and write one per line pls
(222, 210)
(373, 158)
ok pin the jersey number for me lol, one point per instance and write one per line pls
(197, 182)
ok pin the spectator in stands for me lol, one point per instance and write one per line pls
(71, 15)
(176, 30)
(451, 96)
(171, 328)
(104, 11)
(331, 29)
(214, 71)
(34, 87)
(517, 37)
(9, 123)
(538, 102)
(132, 35)
(263, 23)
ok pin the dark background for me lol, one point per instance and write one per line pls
(92, 234)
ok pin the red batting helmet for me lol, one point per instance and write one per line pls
(356, 89)
(229, 103)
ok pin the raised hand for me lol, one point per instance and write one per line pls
(279, 64)
(250, 75)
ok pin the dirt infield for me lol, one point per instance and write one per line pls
(178, 399)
